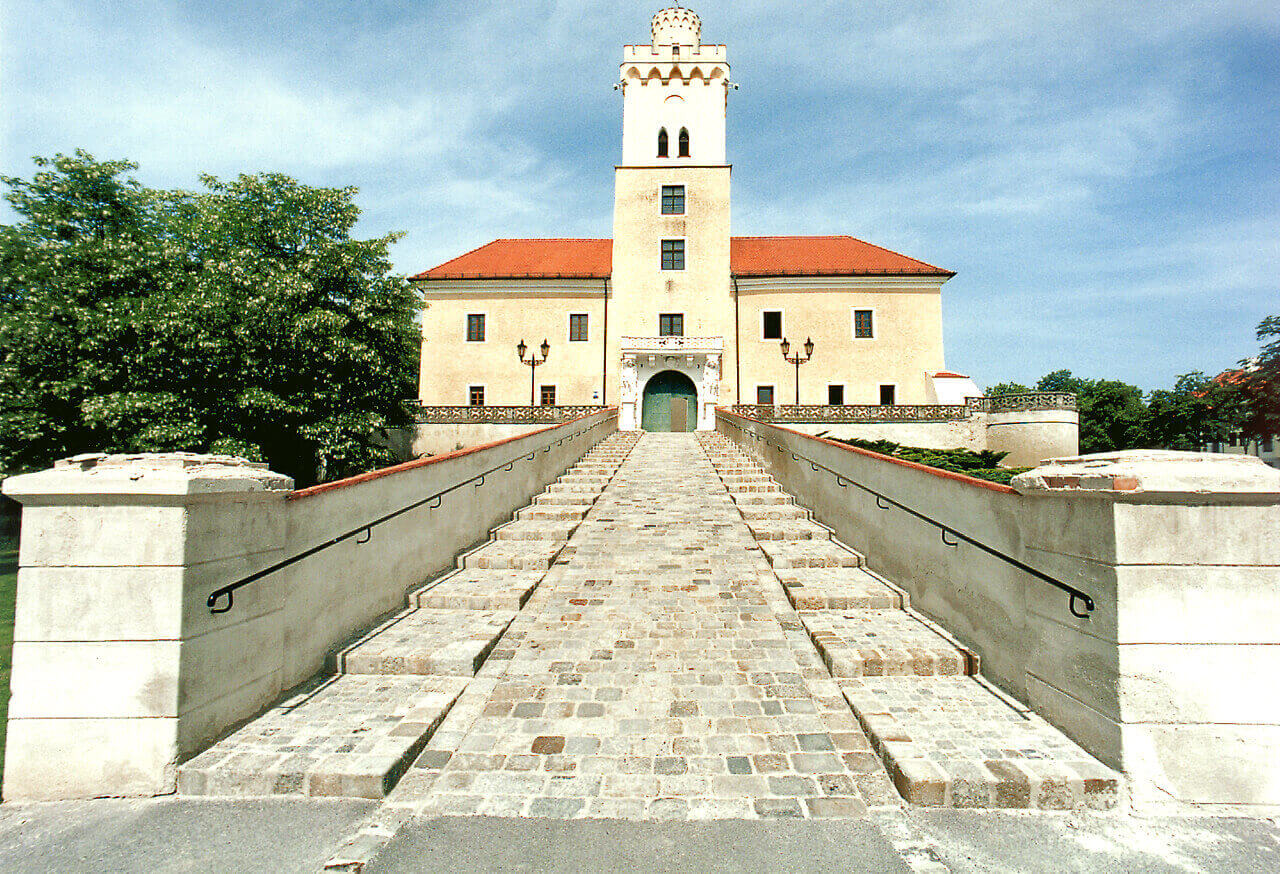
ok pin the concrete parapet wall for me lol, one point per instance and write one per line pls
(1169, 678)
(120, 672)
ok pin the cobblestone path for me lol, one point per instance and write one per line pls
(657, 672)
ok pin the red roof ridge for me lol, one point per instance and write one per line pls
(947, 374)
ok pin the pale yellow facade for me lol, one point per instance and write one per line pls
(675, 94)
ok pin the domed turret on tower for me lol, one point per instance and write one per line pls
(678, 26)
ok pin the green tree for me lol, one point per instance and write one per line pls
(241, 319)
(1006, 388)
(1113, 415)
(1195, 412)
(1261, 383)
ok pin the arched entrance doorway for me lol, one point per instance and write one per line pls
(670, 403)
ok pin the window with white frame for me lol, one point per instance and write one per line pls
(771, 325)
(864, 327)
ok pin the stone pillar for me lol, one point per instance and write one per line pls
(119, 669)
(1173, 677)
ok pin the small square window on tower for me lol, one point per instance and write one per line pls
(475, 396)
(671, 325)
(673, 254)
(673, 200)
(764, 395)
(771, 325)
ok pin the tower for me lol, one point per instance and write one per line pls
(671, 216)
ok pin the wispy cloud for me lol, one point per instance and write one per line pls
(1105, 176)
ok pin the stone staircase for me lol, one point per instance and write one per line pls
(947, 738)
(355, 733)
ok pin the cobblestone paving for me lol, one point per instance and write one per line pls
(837, 589)
(450, 642)
(883, 643)
(471, 589)
(952, 743)
(658, 673)
(351, 736)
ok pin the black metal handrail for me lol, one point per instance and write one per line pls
(228, 591)
(844, 482)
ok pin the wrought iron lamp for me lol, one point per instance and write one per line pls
(533, 364)
(797, 360)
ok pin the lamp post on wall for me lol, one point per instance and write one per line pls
(533, 363)
(797, 360)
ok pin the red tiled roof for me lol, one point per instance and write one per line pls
(748, 256)
(821, 256)
(524, 259)
(946, 374)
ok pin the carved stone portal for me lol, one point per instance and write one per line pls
(698, 358)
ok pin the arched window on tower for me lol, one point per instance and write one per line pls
(663, 150)
(684, 142)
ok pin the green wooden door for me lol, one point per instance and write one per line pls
(667, 391)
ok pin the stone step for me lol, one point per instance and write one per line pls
(787, 529)
(513, 555)
(746, 477)
(952, 742)
(837, 588)
(581, 477)
(754, 498)
(350, 736)
(445, 642)
(762, 486)
(884, 643)
(763, 512)
(578, 499)
(552, 512)
(809, 553)
(591, 488)
(536, 530)
(472, 589)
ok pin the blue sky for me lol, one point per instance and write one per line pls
(1104, 177)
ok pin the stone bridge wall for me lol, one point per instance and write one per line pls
(1169, 676)
(120, 671)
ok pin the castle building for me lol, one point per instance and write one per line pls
(674, 315)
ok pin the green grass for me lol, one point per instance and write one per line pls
(8, 591)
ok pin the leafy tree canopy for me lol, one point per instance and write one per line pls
(1006, 388)
(241, 319)
(1261, 382)
(1195, 412)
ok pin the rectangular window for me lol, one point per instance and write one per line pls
(887, 395)
(673, 254)
(475, 396)
(671, 325)
(835, 395)
(673, 200)
(764, 394)
(771, 325)
(1267, 444)
(548, 396)
(863, 325)
(577, 327)
(475, 328)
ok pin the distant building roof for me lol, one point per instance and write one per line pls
(749, 256)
